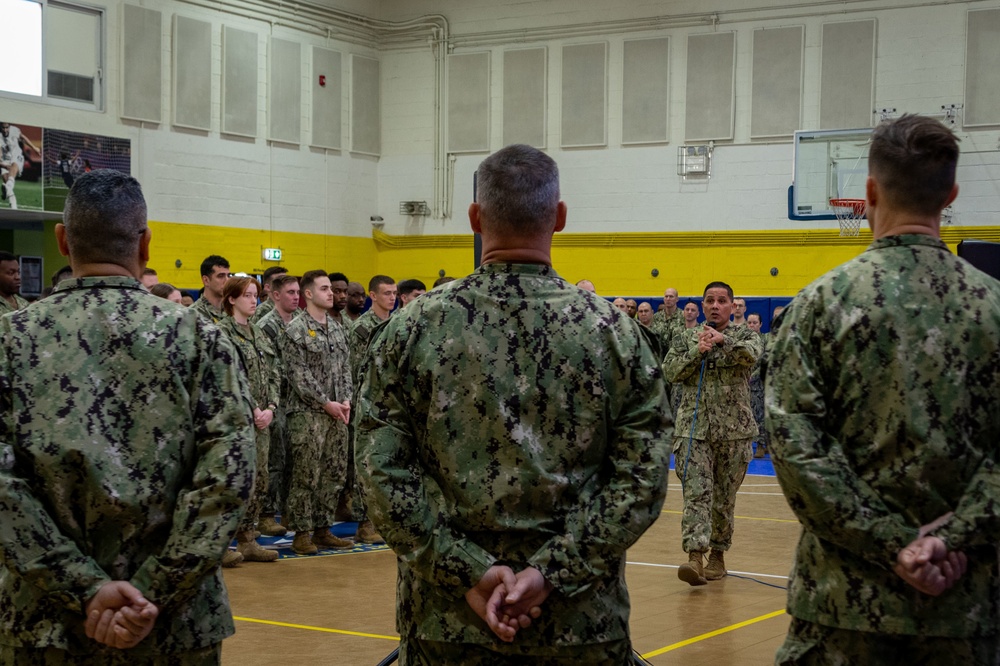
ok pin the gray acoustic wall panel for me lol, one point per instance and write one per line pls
(645, 90)
(239, 82)
(192, 73)
(469, 102)
(365, 106)
(982, 69)
(847, 77)
(711, 66)
(326, 99)
(141, 63)
(284, 95)
(524, 84)
(585, 95)
(776, 90)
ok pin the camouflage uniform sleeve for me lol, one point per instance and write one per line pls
(683, 358)
(298, 371)
(31, 543)
(357, 340)
(597, 534)
(402, 500)
(208, 512)
(976, 521)
(827, 496)
(743, 346)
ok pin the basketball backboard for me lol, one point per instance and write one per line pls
(828, 164)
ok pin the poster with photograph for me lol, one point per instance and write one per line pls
(21, 166)
(68, 155)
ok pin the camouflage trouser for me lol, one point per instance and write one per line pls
(351, 495)
(262, 439)
(32, 656)
(676, 390)
(318, 448)
(277, 466)
(757, 405)
(714, 474)
(810, 644)
(416, 652)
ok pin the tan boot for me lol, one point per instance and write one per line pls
(324, 539)
(691, 571)
(716, 567)
(303, 545)
(367, 533)
(268, 527)
(247, 546)
(231, 558)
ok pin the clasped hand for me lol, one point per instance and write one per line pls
(708, 337)
(509, 601)
(927, 565)
(119, 616)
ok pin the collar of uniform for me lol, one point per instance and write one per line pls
(542, 270)
(902, 240)
(107, 281)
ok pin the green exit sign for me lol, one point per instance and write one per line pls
(272, 254)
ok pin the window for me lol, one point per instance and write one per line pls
(60, 53)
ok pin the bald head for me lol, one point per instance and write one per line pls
(669, 301)
(587, 285)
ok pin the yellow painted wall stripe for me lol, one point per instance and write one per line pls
(711, 634)
(310, 628)
(772, 520)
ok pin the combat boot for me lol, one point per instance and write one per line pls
(322, 538)
(716, 567)
(303, 545)
(231, 558)
(691, 571)
(247, 546)
(268, 527)
(367, 534)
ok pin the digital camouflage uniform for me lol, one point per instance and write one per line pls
(512, 417)
(126, 453)
(209, 311)
(278, 462)
(316, 364)
(6, 308)
(757, 393)
(883, 404)
(712, 467)
(263, 309)
(360, 333)
(666, 327)
(260, 363)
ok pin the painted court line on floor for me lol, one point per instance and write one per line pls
(676, 566)
(711, 634)
(770, 520)
(310, 628)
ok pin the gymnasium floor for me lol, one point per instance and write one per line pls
(339, 609)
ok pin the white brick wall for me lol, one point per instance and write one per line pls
(207, 178)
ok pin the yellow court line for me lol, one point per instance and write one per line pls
(724, 630)
(773, 520)
(323, 629)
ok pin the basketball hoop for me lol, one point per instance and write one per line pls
(849, 212)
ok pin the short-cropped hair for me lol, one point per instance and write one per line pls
(377, 280)
(517, 189)
(719, 285)
(211, 262)
(309, 278)
(105, 217)
(913, 159)
(407, 287)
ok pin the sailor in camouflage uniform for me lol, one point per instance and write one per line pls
(214, 273)
(260, 366)
(757, 386)
(315, 352)
(10, 284)
(126, 452)
(669, 320)
(513, 437)
(285, 295)
(883, 402)
(715, 428)
(382, 290)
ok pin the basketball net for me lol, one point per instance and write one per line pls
(849, 212)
